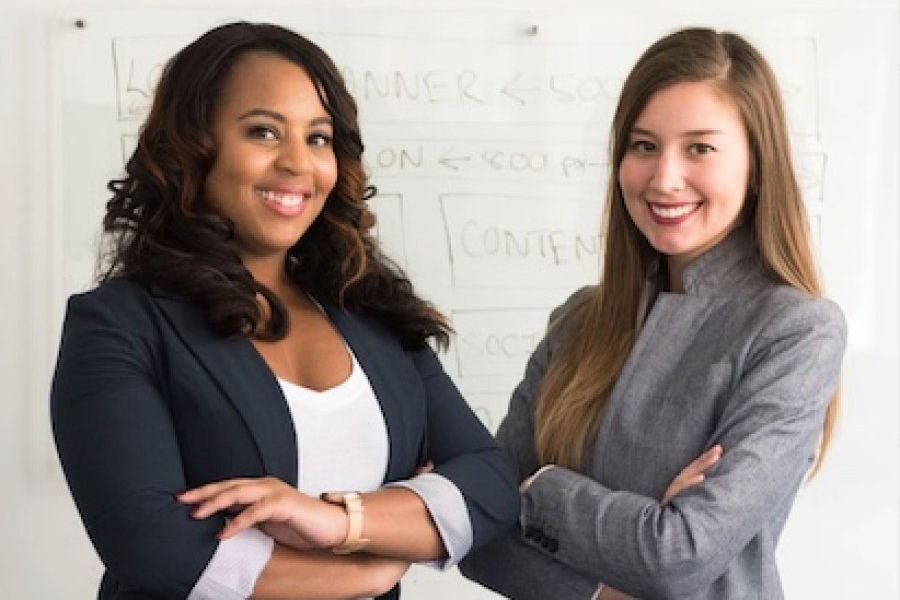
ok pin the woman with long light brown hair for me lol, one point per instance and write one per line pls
(707, 336)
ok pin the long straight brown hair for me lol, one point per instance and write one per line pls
(580, 378)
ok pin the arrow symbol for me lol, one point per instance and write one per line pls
(509, 89)
(447, 160)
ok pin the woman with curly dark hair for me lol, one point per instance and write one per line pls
(247, 405)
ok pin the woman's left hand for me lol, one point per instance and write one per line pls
(693, 473)
(288, 515)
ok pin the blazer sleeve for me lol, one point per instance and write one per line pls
(464, 452)
(769, 429)
(119, 451)
(516, 432)
(508, 565)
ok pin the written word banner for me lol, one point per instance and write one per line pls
(466, 81)
(502, 241)
(414, 79)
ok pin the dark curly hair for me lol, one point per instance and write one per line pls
(159, 231)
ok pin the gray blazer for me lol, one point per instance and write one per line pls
(736, 360)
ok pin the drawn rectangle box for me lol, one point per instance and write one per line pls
(496, 342)
(513, 241)
(138, 63)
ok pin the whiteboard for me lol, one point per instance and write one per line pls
(489, 155)
(486, 135)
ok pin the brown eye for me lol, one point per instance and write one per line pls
(262, 132)
(700, 148)
(642, 146)
(319, 139)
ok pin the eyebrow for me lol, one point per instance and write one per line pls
(692, 132)
(262, 112)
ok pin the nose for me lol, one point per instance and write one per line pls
(668, 173)
(294, 156)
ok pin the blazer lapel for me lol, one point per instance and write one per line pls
(245, 379)
(655, 359)
(671, 326)
(381, 362)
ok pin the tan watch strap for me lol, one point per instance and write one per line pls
(352, 503)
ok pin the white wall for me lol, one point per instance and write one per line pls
(842, 538)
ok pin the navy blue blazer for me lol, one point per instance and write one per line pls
(148, 401)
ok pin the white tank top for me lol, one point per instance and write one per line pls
(342, 441)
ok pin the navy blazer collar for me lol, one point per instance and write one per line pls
(379, 360)
(250, 385)
(244, 378)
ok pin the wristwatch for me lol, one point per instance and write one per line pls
(352, 503)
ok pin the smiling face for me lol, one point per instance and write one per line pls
(275, 164)
(685, 172)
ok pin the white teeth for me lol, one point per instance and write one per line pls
(672, 212)
(287, 200)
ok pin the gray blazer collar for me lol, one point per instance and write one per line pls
(724, 265)
(673, 320)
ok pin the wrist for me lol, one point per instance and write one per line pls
(354, 511)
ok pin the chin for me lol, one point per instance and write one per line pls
(669, 247)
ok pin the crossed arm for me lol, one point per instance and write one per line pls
(692, 474)
(306, 528)
(127, 447)
(302, 525)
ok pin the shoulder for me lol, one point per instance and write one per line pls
(118, 295)
(120, 302)
(117, 289)
(784, 307)
(565, 316)
(575, 300)
(778, 318)
(116, 321)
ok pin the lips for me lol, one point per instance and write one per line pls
(673, 211)
(284, 202)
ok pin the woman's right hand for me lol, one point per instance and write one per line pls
(279, 509)
(693, 474)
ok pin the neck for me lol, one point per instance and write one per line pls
(675, 267)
